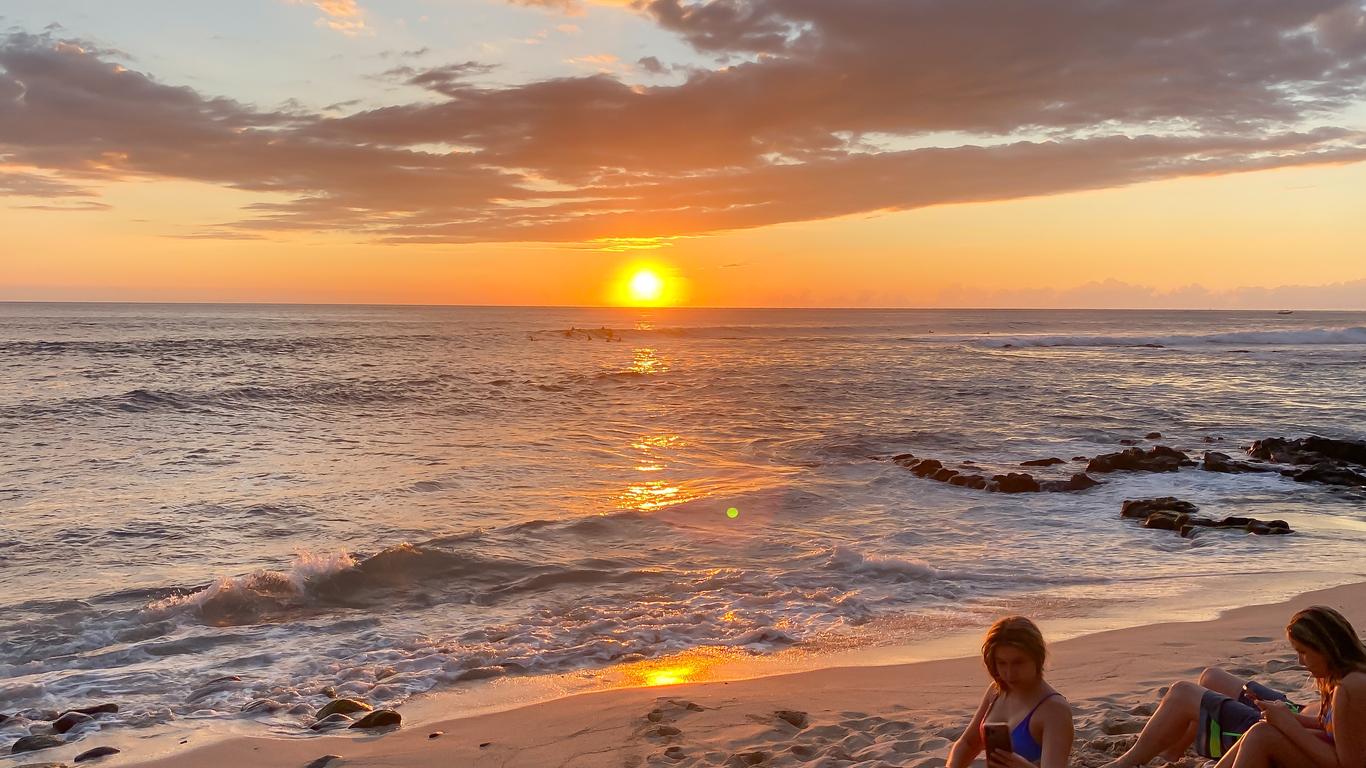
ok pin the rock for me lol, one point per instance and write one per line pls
(969, 481)
(1327, 473)
(926, 467)
(1222, 462)
(1016, 483)
(35, 743)
(1309, 450)
(1166, 521)
(793, 717)
(1042, 462)
(1142, 508)
(263, 705)
(380, 718)
(484, 744)
(91, 754)
(1078, 482)
(322, 761)
(334, 720)
(70, 720)
(903, 458)
(1153, 436)
(944, 475)
(344, 706)
(41, 714)
(436, 734)
(1159, 458)
(1128, 441)
(1269, 528)
(1080, 458)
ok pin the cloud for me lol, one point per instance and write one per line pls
(830, 111)
(344, 16)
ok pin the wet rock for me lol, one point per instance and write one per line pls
(1268, 528)
(1166, 521)
(1309, 450)
(1042, 462)
(1078, 482)
(35, 743)
(903, 458)
(343, 706)
(1142, 508)
(1215, 461)
(97, 752)
(1128, 441)
(380, 718)
(1328, 474)
(1159, 458)
(322, 761)
(944, 475)
(1016, 483)
(70, 720)
(262, 705)
(793, 717)
(926, 467)
(334, 720)
(436, 734)
(1153, 436)
(1080, 458)
(969, 481)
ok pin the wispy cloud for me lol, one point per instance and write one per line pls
(344, 16)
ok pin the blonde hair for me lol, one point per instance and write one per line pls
(1016, 632)
(1329, 633)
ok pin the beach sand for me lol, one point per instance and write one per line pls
(903, 715)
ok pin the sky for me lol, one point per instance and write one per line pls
(969, 153)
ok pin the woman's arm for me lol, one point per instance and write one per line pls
(1349, 720)
(1306, 741)
(969, 745)
(1058, 733)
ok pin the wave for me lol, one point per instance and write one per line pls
(1309, 336)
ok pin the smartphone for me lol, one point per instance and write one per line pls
(997, 736)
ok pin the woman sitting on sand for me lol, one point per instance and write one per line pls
(1039, 718)
(1247, 724)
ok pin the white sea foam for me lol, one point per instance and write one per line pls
(1308, 336)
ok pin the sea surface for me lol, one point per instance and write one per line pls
(375, 501)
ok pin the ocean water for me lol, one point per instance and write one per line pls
(378, 500)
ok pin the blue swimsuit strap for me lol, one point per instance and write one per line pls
(1021, 732)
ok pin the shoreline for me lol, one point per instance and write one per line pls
(1110, 672)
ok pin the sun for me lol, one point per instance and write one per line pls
(646, 287)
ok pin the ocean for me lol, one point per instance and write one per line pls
(386, 501)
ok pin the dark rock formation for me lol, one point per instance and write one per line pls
(1222, 462)
(98, 709)
(334, 720)
(1159, 458)
(91, 754)
(976, 482)
(1042, 462)
(1328, 474)
(1309, 450)
(1142, 508)
(1078, 482)
(1016, 483)
(1153, 436)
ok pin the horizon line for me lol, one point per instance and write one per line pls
(676, 307)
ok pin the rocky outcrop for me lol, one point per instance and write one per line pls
(1309, 450)
(1042, 462)
(1010, 482)
(91, 754)
(35, 742)
(1172, 514)
(1328, 474)
(380, 718)
(1222, 462)
(343, 706)
(1159, 458)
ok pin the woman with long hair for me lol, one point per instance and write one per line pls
(1247, 725)
(1018, 701)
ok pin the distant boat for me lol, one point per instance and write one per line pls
(1286, 312)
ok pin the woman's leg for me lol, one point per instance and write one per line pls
(1169, 726)
(1263, 747)
(1222, 681)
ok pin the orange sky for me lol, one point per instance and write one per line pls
(754, 163)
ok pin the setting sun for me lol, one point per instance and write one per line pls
(646, 286)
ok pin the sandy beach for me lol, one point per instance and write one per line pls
(904, 715)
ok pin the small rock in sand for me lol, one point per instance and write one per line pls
(344, 706)
(91, 754)
(436, 734)
(35, 743)
(380, 718)
(334, 720)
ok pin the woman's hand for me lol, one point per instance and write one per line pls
(999, 758)
(1278, 714)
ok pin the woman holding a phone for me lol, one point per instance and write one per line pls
(1247, 725)
(1022, 722)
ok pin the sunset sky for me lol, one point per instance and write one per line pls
(1189, 153)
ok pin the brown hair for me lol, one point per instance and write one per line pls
(1329, 633)
(1017, 632)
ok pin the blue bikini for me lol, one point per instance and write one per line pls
(1021, 740)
